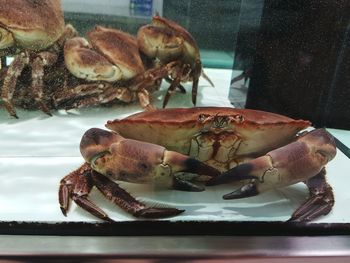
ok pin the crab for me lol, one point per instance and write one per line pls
(108, 67)
(164, 40)
(34, 32)
(214, 144)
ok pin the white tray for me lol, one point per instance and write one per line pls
(37, 151)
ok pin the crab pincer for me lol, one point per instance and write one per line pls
(109, 157)
(300, 161)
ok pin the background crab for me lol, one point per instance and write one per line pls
(204, 141)
(112, 64)
(108, 67)
(163, 41)
(34, 32)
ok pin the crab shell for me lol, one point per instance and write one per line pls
(30, 24)
(169, 38)
(255, 131)
(109, 55)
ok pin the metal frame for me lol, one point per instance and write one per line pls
(175, 248)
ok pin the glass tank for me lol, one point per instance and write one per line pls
(174, 117)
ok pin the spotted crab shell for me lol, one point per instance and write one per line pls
(119, 48)
(174, 128)
(34, 24)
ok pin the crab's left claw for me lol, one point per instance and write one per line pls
(135, 161)
(302, 160)
(111, 156)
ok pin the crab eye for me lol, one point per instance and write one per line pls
(239, 118)
(202, 117)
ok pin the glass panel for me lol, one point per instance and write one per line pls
(283, 57)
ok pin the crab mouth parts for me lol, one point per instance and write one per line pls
(219, 121)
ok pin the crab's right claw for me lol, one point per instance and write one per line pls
(302, 160)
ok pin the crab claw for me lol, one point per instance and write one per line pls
(296, 162)
(110, 156)
(134, 161)
(77, 185)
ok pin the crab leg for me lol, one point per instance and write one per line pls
(186, 70)
(77, 186)
(123, 199)
(319, 203)
(301, 160)
(197, 71)
(174, 84)
(205, 76)
(180, 87)
(44, 59)
(89, 95)
(10, 80)
(79, 91)
(98, 93)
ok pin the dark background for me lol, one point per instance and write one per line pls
(300, 61)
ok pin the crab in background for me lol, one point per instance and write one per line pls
(163, 41)
(112, 64)
(263, 149)
(34, 33)
(107, 67)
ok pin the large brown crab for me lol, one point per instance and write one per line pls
(203, 141)
(164, 40)
(34, 32)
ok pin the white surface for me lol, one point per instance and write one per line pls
(37, 151)
(342, 135)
